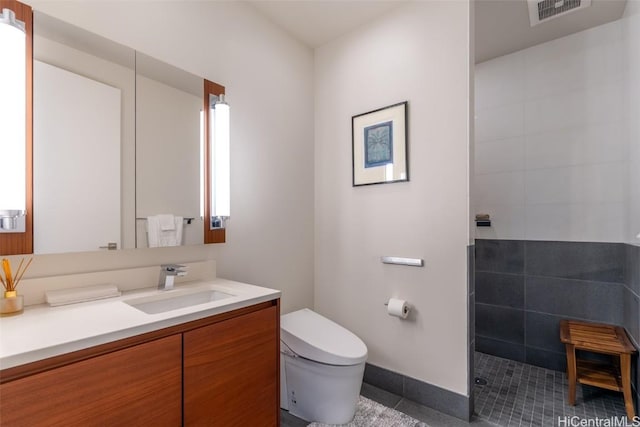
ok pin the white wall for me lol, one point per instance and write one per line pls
(551, 148)
(418, 53)
(631, 51)
(268, 77)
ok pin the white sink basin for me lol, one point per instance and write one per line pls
(173, 301)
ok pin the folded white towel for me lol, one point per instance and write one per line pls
(86, 293)
(167, 222)
(159, 237)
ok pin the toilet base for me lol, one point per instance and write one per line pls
(317, 392)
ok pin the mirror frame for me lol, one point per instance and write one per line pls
(22, 242)
(215, 235)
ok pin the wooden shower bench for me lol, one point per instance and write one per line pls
(604, 339)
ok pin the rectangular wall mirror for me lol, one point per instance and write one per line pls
(118, 137)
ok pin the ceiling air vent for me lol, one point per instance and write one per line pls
(544, 10)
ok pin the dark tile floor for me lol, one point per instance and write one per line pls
(516, 394)
(427, 415)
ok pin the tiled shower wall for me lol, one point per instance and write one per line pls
(557, 145)
(557, 157)
(631, 297)
(523, 289)
(552, 147)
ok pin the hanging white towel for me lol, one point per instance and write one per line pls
(164, 230)
(167, 222)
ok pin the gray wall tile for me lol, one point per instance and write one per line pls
(632, 310)
(383, 378)
(632, 268)
(546, 359)
(379, 395)
(437, 398)
(603, 262)
(288, 420)
(471, 371)
(471, 268)
(596, 357)
(608, 290)
(597, 301)
(543, 331)
(443, 400)
(632, 315)
(500, 289)
(472, 317)
(471, 288)
(498, 348)
(505, 256)
(501, 323)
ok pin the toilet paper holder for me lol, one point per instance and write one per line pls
(398, 308)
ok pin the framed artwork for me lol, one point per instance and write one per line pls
(379, 144)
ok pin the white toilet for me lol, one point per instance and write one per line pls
(321, 368)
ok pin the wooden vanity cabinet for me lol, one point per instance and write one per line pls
(140, 385)
(218, 371)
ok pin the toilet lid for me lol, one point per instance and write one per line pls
(317, 338)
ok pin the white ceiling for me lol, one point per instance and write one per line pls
(316, 22)
(501, 26)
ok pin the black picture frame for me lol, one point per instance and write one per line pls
(379, 146)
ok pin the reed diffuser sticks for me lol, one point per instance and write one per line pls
(12, 303)
(11, 281)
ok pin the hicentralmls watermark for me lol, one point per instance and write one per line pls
(576, 421)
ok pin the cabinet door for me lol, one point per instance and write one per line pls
(231, 372)
(140, 385)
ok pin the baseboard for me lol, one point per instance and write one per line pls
(426, 394)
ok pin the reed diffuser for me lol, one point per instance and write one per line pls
(12, 303)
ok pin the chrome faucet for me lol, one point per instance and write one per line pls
(168, 273)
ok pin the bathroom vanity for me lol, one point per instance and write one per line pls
(210, 364)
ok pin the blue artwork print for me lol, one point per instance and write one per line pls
(378, 144)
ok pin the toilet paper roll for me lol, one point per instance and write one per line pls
(398, 308)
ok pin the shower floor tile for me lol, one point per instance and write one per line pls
(518, 394)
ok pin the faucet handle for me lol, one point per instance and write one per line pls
(173, 267)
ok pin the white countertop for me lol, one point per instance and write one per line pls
(42, 331)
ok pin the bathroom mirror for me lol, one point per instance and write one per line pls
(169, 169)
(116, 139)
(84, 139)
